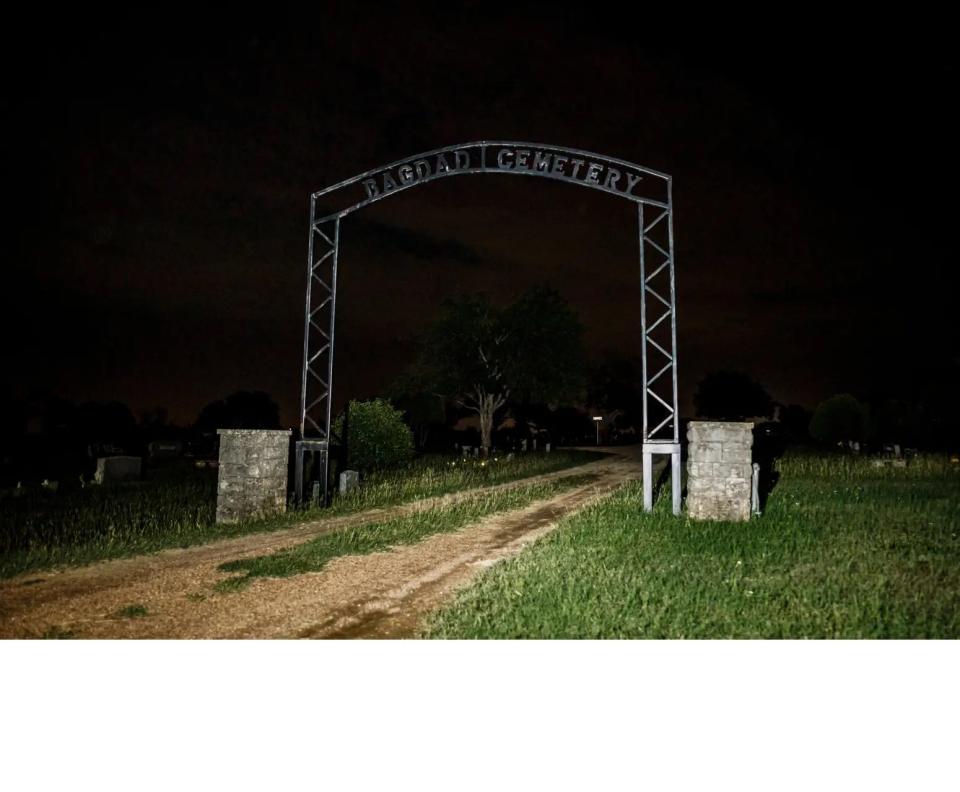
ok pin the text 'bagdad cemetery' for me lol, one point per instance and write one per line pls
(562, 165)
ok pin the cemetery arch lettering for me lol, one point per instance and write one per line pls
(650, 190)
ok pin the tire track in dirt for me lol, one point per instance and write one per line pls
(379, 595)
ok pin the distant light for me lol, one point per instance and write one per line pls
(597, 417)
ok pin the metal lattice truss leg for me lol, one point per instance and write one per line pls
(318, 348)
(658, 320)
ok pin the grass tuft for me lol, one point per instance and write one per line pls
(136, 611)
(58, 633)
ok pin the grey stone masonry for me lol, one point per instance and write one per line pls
(719, 470)
(252, 479)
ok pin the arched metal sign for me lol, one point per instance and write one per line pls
(650, 190)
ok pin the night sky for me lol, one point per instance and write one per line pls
(157, 175)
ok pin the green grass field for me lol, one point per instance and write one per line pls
(176, 508)
(843, 550)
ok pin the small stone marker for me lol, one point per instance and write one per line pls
(523, 445)
(349, 480)
(466, 451)
(165, 449)
(117, 468)
(252, 480)
(476, 452)
(547, 447)
(719, 470)
(534, 443)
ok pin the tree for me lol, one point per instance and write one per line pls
(546, 362)
(731, 396)
(839, 419)
(422, 410)
(479, 355)
(240, 410)
(796, 422)
(615, 387)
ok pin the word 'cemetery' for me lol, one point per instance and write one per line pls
(547, 163)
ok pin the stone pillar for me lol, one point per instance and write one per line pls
(252, 479)
(719, 470)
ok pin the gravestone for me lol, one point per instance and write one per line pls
(117, 468)
(523, 445)
(252, 479)
(547, 448)
(719, 470)
(349, 480)
(165, 449)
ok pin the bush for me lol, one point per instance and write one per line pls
(378, 438)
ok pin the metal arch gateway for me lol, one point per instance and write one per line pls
(650, 190)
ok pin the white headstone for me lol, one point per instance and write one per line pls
(117, 468)
(349, 480)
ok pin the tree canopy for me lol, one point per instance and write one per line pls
(481, 356)
(841, 418)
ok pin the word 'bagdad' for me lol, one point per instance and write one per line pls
(555, 165)
(415, 171)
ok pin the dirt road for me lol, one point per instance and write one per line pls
(383, 594)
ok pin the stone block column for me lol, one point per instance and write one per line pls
(252, 479)
(719, 470)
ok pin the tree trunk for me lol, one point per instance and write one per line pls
(486, 424)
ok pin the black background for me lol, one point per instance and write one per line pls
(157, 171)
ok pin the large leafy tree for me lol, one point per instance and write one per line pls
(480, 355)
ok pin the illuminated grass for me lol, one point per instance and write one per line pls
(314, 555)
(432, 476)
(40, 530)
(843, 550)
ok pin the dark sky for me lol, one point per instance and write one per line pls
(157, 173)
